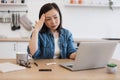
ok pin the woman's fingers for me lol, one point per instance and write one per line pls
(40, 22)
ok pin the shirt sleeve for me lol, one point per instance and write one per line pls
(37, 53)
(71, 45)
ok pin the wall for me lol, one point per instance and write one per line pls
(83, 22)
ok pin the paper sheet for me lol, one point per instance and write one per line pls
(7, 67)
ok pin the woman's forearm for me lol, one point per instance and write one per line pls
(33, 44)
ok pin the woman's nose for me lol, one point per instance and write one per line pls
(53, 21)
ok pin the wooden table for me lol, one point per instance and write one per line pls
(58, 72)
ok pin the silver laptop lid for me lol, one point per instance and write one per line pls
(94, 54)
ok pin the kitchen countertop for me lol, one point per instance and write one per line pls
(88, 39)
(27, 39)
(14, 40)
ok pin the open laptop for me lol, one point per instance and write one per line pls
(92, 55)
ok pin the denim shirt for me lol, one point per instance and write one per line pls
(46, 45)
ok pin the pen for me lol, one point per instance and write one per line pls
(45, 69)
(35, 64)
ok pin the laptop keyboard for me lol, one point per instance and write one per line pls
(70, 66)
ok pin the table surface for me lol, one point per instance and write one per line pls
(58, 72)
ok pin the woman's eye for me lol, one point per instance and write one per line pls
(55, 17)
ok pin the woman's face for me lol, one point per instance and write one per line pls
(52, 19)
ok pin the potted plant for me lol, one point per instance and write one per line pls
(111, 68)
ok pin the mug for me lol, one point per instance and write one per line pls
(22, 58)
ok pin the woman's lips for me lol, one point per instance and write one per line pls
(53, 26)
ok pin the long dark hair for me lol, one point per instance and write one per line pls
(45, 8)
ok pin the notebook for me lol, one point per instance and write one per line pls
(8, 67)
(92, 55)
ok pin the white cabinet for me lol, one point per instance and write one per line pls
(22, 46)
(8, 49)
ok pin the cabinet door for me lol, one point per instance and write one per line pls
(7, 50)
(22, 46)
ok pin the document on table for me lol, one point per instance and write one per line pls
(8, 67)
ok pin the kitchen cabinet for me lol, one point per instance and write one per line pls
(22, 46)
(8, 50)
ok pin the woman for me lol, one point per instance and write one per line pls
(49, 39)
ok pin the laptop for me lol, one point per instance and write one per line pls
(92, 55)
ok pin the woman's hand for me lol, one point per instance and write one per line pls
(40, 23)
(73, 56)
